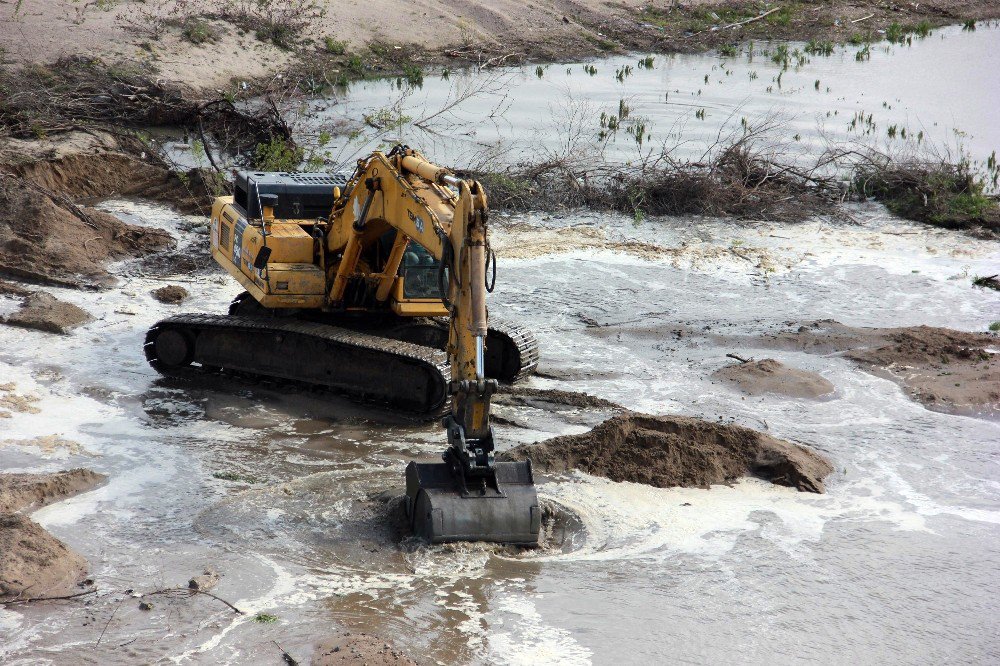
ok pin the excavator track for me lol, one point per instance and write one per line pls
(367, 367)
(511, 350)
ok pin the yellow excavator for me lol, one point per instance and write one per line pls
(375, 286)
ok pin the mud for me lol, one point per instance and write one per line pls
(771, 376)
(358, 648)
(95, 165)
(523, 395)
(33, 563)
(33, 491)
(171, 294)
(204, 582)
(45, 312)
(666, 451)
(945, 370)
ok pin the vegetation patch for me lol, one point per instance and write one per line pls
(934, 192)
(236, 477)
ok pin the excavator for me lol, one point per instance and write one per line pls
(374, 286)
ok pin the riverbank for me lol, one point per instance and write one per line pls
(204, 46)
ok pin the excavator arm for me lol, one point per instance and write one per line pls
(469, 496)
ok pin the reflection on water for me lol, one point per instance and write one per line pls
(943, 89)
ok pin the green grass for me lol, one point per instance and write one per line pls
(198, 31)
(234, 476)
(945, 195)
(995, 326)
(334, 46)
(265, 618)
(824, 48)
(413, 75)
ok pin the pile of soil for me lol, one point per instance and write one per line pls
(32, 491)
(45, 312)
(46, 237)
(946, 370)
(33, 563)
(771, 376)
(358, 648)
(171, 294)
(665, 451)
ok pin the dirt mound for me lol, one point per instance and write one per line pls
(946, 370)
(171, 294)
(33, 563)
(21, 491)
(45, 236)
(771, 376)
(354, 648)
(666, 451)
(45, 312)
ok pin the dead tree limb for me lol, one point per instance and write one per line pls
(194, 591)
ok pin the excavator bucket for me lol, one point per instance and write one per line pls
(441, 511)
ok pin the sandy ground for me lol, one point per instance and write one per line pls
(33, 563)
(771, 376)
(435, 31)
(665, 451)
(945, 370)
(45, 312)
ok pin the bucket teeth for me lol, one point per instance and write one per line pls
(441, 512)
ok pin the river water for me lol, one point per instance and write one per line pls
(897, 562)
(942, 91)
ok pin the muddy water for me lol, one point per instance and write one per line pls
(943, 89)
(896, 562)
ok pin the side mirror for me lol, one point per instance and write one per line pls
(260, 262)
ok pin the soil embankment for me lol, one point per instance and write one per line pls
(665, 451)
(46, 235)
(204, 45)
(33, 563)
(771, 376)
(945, 370)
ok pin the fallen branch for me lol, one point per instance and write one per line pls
(289, 659)
(740, 358)
(751, 20)
(863, 18)
(194, 591)
(68, 596)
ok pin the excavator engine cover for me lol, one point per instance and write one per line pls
(439, 511)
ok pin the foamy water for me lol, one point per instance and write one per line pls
(895, 562)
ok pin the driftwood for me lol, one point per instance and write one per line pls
(751, 20)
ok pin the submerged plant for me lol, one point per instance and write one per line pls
(265, 618)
